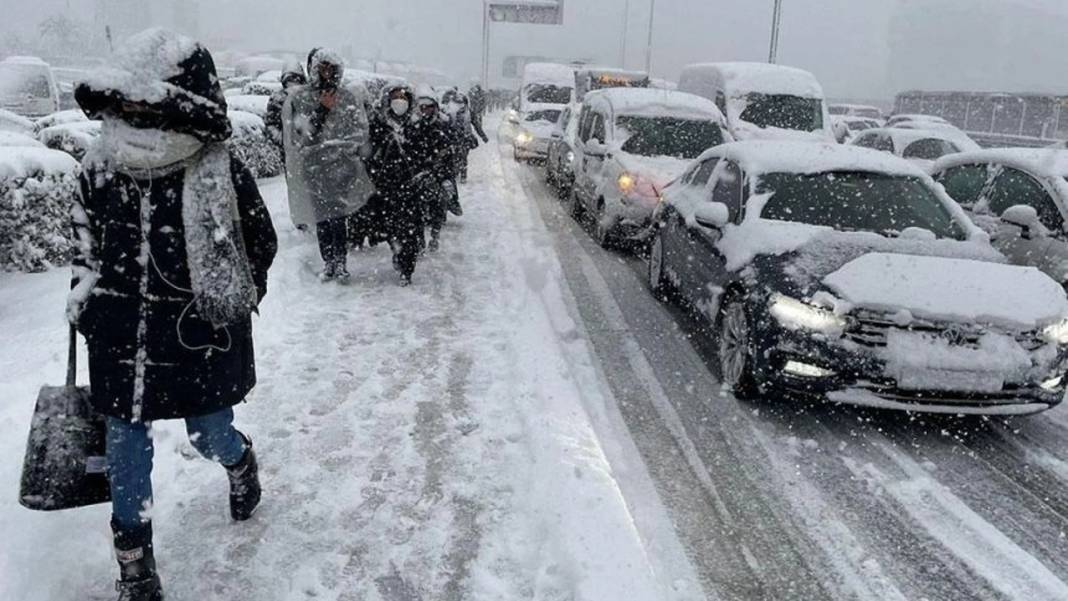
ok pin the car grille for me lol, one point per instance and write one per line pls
(871, 330)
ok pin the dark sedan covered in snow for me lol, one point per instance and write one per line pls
(847, 273)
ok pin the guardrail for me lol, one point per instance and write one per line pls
(989, 140)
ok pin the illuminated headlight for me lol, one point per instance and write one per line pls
(627, 182)
(796, 315)
(1052, 384)
(806, 370)
(570, 156)
(1057, 333)
(524, 137)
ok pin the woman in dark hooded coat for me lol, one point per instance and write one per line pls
(173, 248)
(292, 78)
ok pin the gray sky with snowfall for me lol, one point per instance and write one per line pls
(858, 48)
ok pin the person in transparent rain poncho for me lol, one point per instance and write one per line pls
(173, 246)
(326, 136)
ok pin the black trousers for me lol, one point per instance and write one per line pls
(333, 241)
(405, 218)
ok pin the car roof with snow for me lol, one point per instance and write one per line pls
(550, 73)
(1046, 162)
(771, 156)
(655, 103)
(763, 78)
(902, 137)
(916, 117)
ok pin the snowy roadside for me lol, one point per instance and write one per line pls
(437, 442)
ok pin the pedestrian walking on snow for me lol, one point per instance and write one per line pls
(173, 248)
(292, 78)
(433, 149)
(326, 130)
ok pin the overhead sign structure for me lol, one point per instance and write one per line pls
(526, 12)
(531, 12)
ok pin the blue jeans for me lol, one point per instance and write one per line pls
(130, 452)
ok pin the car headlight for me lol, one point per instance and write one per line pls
(570, 156)
(1057, 333)
(627, 182)
(797, 315)
(524, 138)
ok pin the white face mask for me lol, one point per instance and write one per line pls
(145, 148)
(399, 106)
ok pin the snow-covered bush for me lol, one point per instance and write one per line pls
(12, 139)
(257, 105)
(261, 88)
(73, 138)
(60, 118)
(37, 188)
(251, 144)
(17, 123)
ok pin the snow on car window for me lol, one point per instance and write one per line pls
(548, 94)
(550, 116)
(668, 136)
(784, 112)
(18, 82)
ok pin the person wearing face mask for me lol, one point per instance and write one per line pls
(173, 245)
(292, 78)
(393, 168)
(325, 129)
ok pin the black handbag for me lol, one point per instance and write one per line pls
(65, 465)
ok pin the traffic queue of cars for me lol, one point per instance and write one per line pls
(841, 271)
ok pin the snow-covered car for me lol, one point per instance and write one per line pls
(762, 101)
(862, 111)
(1020, 197)
(12, 139)
(631, 144)
(255, 104)
(559, 168)
(27, 86)
(60, 118)
(546, 86)
(848, 274)
(259, 88)
(254, 66)
(74, 138)
(252, 146)
(847, 128)
(921, 146)
(37, 189)
(534, 131)
(15, 123)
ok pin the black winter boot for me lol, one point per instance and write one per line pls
(245, 488)
(138, 580)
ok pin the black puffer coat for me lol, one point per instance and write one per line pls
(151, 356)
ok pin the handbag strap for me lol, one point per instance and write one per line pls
(72, 358)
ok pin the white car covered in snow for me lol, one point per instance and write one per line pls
(863, 111)
(534, 131)
(630, 144)
(762, 101)
(847, 273)
(1020, 197)
(921, 146)
(27, 86)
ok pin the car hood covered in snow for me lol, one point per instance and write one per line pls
(660, 170)
(945, 289)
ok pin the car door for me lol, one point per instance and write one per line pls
(556, 141)
(708, 267)
(1011, 187)
(678, 253)
(593, 160)
(584, 129)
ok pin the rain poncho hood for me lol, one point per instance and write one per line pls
(171, 73)
(327, 176)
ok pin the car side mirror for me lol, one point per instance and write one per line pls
(1025, 218)
(712, 215)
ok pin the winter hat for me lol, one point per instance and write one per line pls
(171, 73)
(322, 57)
(292, 72)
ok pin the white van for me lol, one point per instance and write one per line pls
(546, 86)
(28, 87)
(763, 101)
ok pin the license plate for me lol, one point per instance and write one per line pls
(949, 381)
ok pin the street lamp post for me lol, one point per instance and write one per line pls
(776, 24)
(649, 42)
(626, 28)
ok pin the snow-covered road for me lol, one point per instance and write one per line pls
(527, 422)
(442, 442)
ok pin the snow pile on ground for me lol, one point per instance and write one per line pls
(37, 188)
(422, 443)
(251, 144)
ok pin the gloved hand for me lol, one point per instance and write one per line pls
(449, 187)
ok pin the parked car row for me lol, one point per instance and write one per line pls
(841, 271)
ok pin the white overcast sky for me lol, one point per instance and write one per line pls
(849, 44)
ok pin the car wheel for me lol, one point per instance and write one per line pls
(574, 206)
(737, 361)
(602, 233)
(659, 284)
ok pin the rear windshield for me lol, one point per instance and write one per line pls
(18, 82)
(930, 149)
(668, 136)
(858, 202)
(548, 94)
(784, 112)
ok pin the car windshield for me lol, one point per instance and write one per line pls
(858, 201)
(784, 112)
(930, 149)
(548, 94)
(19, 82)
(668, 136)
(870, 113)
(550, 116)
